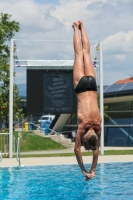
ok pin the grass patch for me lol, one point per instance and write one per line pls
(118, 152)
(33, 142)
(108, 152)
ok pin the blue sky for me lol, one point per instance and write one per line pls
(47, 1)
(110, 21)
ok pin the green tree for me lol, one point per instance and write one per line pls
(8, 29)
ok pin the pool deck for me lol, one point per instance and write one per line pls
(37, 161)
(6, 162)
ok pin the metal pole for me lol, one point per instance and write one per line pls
(11, 100)
(22, 124)
(19, 151)
(101, 97)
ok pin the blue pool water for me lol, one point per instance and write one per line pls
(114, 181)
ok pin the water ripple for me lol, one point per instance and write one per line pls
(61, 182)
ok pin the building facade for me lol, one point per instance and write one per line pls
(118, 115)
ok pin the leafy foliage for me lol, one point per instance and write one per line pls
(7, 31)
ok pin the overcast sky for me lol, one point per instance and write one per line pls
(110, 21)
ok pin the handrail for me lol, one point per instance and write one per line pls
(4, 133)
(0, 156)
(18, 149)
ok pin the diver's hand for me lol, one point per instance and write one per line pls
(89, 175)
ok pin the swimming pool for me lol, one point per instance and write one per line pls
(66, 182)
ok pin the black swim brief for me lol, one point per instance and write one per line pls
(86, 83)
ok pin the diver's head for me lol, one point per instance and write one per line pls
(90, 141)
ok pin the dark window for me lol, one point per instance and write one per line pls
(131, 136)
(72, 120)
(118, 136)
(132, 105)
(120, 106)
(131, 118)
(44, 118)
(116, 118)
(105, 136)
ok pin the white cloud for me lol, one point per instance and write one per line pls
(73, 10)
(120, 57)
(31, 15)
(119, 42)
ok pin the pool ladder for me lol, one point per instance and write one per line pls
(18, 148)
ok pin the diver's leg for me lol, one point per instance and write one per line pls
(78, 69)
(88, 66)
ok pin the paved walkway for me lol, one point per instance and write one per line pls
(10, 162)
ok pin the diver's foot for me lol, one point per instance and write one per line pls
(80, 24)
(75, 25)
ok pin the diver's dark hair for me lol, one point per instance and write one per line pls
(90, 142)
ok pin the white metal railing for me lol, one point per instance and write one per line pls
(0, 156)
(18, 148)
(4, 144)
